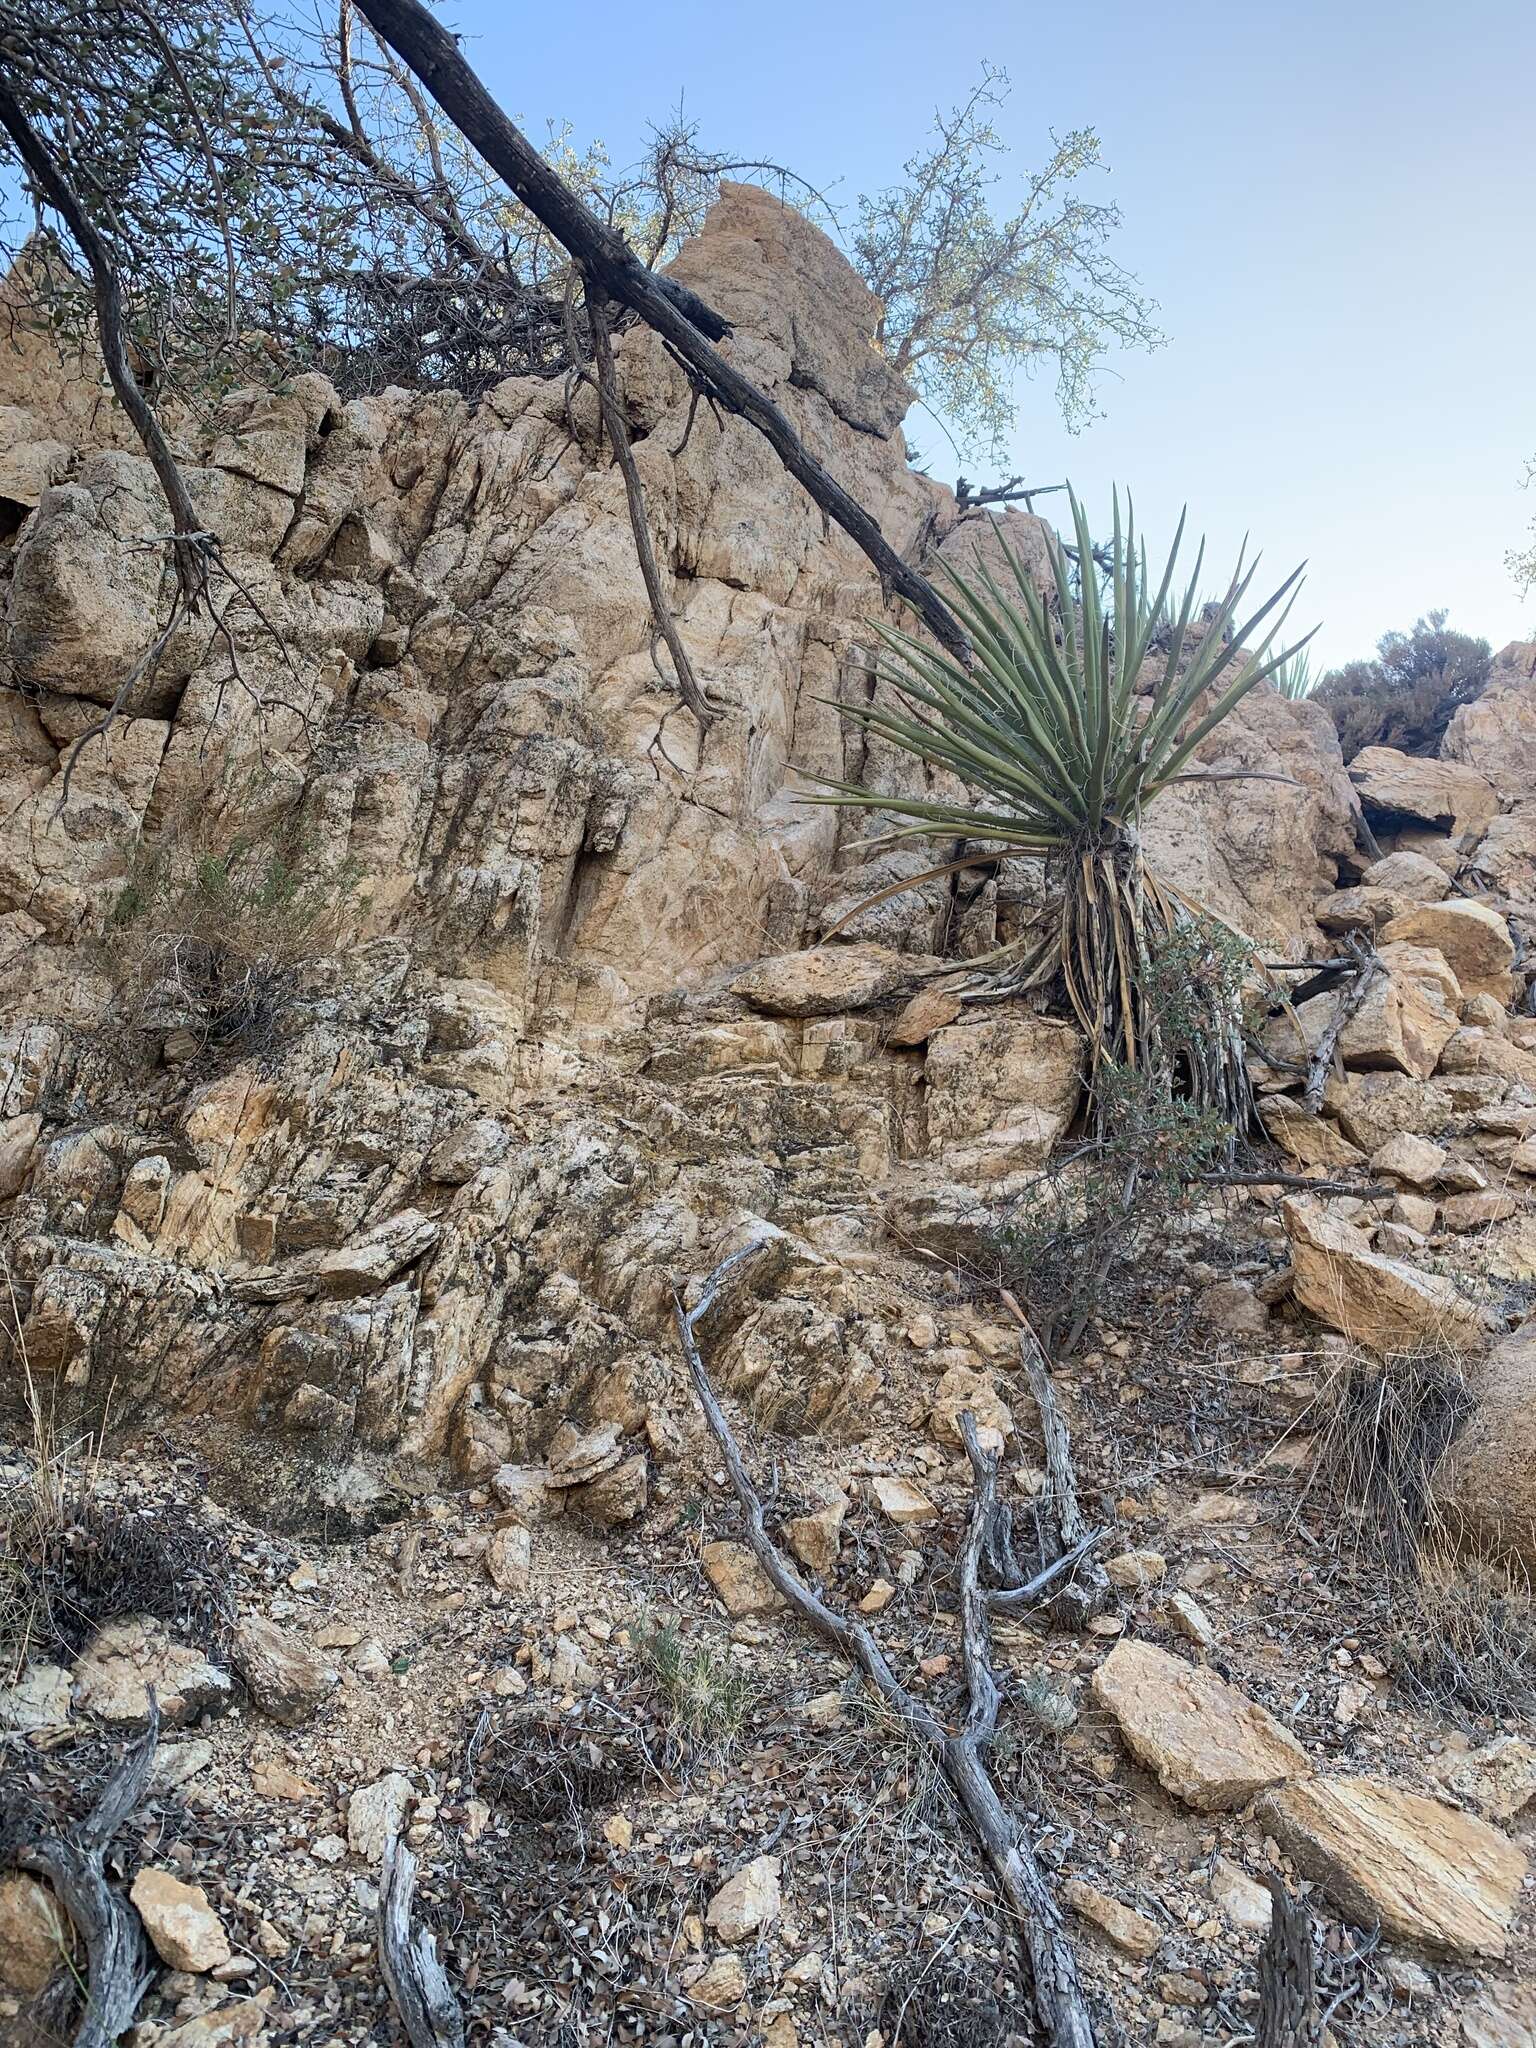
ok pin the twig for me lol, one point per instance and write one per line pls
(1071, 1527)
(618, 439)
(1060, 2005)
(118, 1972)
(417, 1981)
(1369, 1192)
(1367, 967)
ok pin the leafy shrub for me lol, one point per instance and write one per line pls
(214, 925)
(1049, 727)
(1408, 695)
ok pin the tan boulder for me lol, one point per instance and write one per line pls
(1208, 1744)
(822, 980)
(1001, 1091)
(928, 1011)
(115, 1673)
(1479, 1207)
(1418, 1161)
(1361, 909)
(1446, 794)
(1381, 1303)
(1474, 940)
(1485, 1484)
(1401, 1023)
(1371, 1108)
(1505, 857)
(1475, 1050)
(1417, 1868)
(1499, 1778)
(285, 1677)
(1496, 733)
(1410, 874)
(1308, 1139)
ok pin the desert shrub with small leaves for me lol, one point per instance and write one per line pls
(217, 923)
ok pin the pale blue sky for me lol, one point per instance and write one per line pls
(1334, 204)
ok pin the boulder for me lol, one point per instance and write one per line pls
(1485, 1483)
(821, 981)
(1401, 1023)
(1414, 1160)
(1505, 857)
(1448, 795)
(1001, 1091)
(1474, 940)
(1371, 1108)
(1417, 1868)
(1208, 1744)
(1309, 1140)
(286, 1678)
(186, 1932)
(1361, 909)
(114, 1673)
(1478, 1208)
(1498, 1779)
(1495, 735)
(742, 1584)
(1409, 874)
(1381, 1303)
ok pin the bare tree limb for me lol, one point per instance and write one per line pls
(1060, 2004)
(417, 1981)
(118, 1971)
(1320, 1065)
(676, 313)
(1288, 2015)
(617, 428)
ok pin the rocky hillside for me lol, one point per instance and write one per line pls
(404, 998)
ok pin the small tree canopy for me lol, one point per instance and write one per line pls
(1407, 696)
(972, 297)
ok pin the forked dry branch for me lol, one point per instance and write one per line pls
(1060, 2004)
(408, 1959)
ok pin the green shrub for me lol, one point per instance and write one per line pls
(1408, 695)
(215, 924)
(1065, 746)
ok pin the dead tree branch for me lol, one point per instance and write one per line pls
(118, 1971)
(417, 1981)
(1061, 1507)
(676, 313)
(617, 429)
(1060, 2005)
(1288, 2015)
(1366, 968)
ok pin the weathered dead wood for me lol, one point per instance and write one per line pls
(1061, 1510)
(409, 1961)
(617, 429)
(118, 1970)
(1367, 1191)
(1288, 2016)
(1320, 1065)
(1059, 2002)
(678, 315)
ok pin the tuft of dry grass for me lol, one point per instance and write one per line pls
(1466, 1637)
(707, 1698)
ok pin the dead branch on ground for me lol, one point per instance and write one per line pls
(1288, 2015)
(690, 327)
(1366, 966)
(1064, 1525)
(1059, 2001)
(118, 1971)
(409, 1961)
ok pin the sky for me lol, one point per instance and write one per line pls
(1333, 205)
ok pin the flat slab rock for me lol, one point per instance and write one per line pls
(1422, 1870)
(1207, 1744)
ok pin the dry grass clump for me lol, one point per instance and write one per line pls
(538, 1764)
(1466, 1636)
(218, 920)
(1386, 1427)
(707, 1697)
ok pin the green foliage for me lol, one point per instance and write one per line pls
(707, 1697)
(972, 296)
(214, 927)
(1065, 749)
(1408, 695)
(1521, 562)
(1082, 1229)
(1294, 678)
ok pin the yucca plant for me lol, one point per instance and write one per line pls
(1047, 728)
(1294, 678)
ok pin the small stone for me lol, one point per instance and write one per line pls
(1129, 1930)
(286, 1678)
(374, 1813)
(879, 1597)
(618, 1831)
(742, 1584)
(901, 1502)
(1232, 1306)
(617, 1497)
(127, 1657)
(1133, 1569)
(823, 1710)
(270, 1780)
(35, 1938)
(1190, 1619)
(38, 1699)
(747, 1901)
(817, 1539)
(721, 1986)
(1208, 1744)
(926, 1012)
(1407, 1978)
(509, 1558)
(1245, 1902)
(186, 1932)
(1177, 1987)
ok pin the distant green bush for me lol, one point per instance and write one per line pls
(1408, 695)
